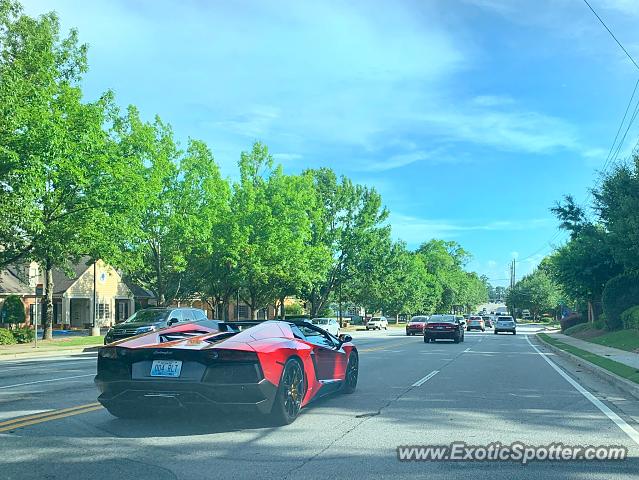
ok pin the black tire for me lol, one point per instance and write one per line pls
(457, 339)
(495, 332)
(426, 340)
(288, 399)
(514, 332)
(352, 373)
(483, 329)
(463, 337)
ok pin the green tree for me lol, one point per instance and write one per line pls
(347, 227)
(585, 263)
(12, 311)
(617, 203)
(57, 173)
(272, 241)
(536, 292)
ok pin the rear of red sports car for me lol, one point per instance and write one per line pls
(272, 367)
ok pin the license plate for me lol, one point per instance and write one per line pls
(166, 368)
(440, 328)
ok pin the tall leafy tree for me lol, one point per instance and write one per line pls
(349, 224)
(536, 292)
(58, 171)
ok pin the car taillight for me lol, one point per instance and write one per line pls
(232, 355)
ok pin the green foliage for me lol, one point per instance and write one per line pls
(6, 337)
(12, 310)
(571, 320)
(600, 323)
(580, 327)
(535, 292)
(630, 318)
(620, 293)
(617, 202)
(23, 334)
(294, 309)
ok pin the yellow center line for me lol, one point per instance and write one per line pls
(383, 347)
(46, 416)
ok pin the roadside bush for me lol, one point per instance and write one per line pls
(6, 337)
(630, 318)
(571, 320)
(294, 309)
(12, 310)
(23, 334)
(601, 323)
(620, 293)
(580, 327)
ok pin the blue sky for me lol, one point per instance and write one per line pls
(471, 117)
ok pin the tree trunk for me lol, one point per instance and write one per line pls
(396, 318)
(47, 331)
(283, 311)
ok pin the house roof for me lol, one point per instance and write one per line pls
(138, 291)
(62, 282)
(11, 284)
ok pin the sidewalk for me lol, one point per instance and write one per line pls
(621, 356)
(50, 348)
(618, 367)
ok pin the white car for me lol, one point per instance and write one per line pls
(377, 323)
(505, 324)
(329, 324)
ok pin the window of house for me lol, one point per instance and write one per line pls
(243, 311)
(104, 311)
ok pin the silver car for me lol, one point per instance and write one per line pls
(329, 324)
(505, 324)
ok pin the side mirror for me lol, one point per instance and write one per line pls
(172, 321)
(343, 338)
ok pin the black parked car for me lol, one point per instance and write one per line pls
(150, 319)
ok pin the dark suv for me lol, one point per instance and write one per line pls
(149, 319)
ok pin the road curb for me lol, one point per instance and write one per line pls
(47, 353)
(622, 384)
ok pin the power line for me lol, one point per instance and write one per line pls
(610, 158)
(611, 34)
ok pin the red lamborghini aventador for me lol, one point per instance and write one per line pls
(274, 367)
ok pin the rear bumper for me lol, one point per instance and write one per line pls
(439, 334)
(510, 330)
(167, 394)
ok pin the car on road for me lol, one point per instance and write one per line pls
(329, 324)
(415, 326)
(505, 324)
(450, 327)
(151, 319)
(272, 367)
(377, 323)
(475, 322)
(488, 322)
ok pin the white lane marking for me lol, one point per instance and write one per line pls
(422, 381)
(467, 350)
(620, 422)
(46, 381)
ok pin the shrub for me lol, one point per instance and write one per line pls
(6, 337)
(571, 320)
(620, 293)
(12, 310)
(630, 318)
(294, 309)
(601, 323)
(580, 327)
(23, 334)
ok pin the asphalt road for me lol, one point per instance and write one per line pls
(491, 388)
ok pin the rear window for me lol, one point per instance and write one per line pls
(475, 318)
(320, 321)
(418, 319)
(147, 316)
(505, 319)
(442, 319)
(376, 319)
